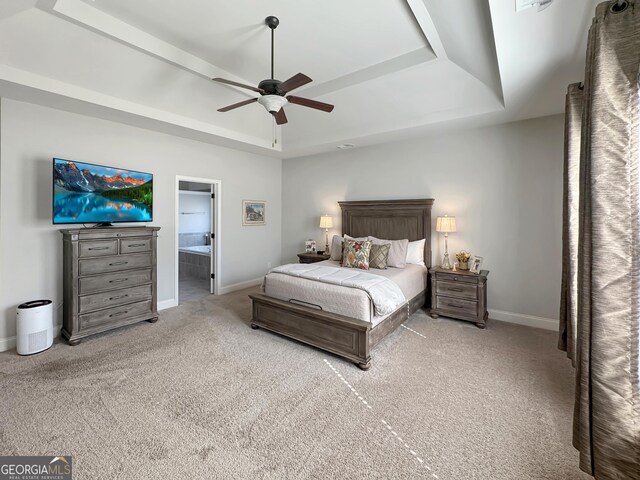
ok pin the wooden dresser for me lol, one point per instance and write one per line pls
(109, 279)
(460, 294)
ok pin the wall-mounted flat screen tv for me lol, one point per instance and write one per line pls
(87, 193)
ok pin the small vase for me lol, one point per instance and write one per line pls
(463, 265)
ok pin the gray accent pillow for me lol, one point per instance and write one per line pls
(336, 248)
(379, 256)
(397, 252)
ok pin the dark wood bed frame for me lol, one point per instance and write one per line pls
(344, 336)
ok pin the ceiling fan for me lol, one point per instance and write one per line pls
(274, 92)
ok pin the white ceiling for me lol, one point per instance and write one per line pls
(393, 69)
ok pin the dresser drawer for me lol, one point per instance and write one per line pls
(97, 248)
(457, 289)
(112, 232)
(100, 283)
(111, 315)
(113, 264)
(456, 305)
(452, 277)
(135, 245)
(97, 301)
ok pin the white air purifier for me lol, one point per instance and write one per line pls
(34, 326)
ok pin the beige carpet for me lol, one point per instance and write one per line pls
(200, 395)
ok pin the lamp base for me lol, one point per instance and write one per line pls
(446, 265)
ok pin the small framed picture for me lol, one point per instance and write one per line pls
(254, 212)
(308, 246)
(475, 264)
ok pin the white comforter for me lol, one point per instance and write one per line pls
(385, 294)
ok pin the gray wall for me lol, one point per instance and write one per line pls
(31, 247)
(503, 184)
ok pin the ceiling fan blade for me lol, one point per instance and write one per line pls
(280, 117)
(236, 84)
(236, 105)
(307, 102)
(298, 80)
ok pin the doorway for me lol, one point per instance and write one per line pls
(197, 235)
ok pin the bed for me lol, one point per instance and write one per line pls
(346, 336)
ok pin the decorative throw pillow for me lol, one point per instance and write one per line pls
(397, 253)
(336, 248)
(379, 256)
(356, 254)
(359, 239)
(415, 252)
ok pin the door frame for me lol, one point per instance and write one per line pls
(216, 224)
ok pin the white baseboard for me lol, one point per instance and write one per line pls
(521, 319)
(7, 343)
(240, 286)
(163, 305)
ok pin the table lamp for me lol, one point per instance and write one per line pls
(326, 222)
(446, 225)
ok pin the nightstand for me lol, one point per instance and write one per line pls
(312, 257)
(460, 294)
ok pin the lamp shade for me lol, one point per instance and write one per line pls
(446, 224)
(326, 221)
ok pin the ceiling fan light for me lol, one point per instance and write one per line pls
(273, 103)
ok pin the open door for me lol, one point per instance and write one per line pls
(213, 238)
(196, 238)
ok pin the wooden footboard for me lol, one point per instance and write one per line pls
(335, 333)
(347, 337)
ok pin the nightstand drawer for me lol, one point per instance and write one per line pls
(458, 290)
(452, 277)
(456, 305)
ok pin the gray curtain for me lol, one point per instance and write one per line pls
(607, 408)
(569, 295)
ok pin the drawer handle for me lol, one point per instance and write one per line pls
(99, 248)
(137, 245)
(117, 263)
(455, 306)
(455, 290)
(455, 279)
(120, 280)
(117, 298)
(119, 313)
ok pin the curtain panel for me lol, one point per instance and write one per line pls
(607, 408)
(569, 294)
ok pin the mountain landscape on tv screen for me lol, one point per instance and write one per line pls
(85, 193)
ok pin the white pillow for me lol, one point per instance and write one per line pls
(415, 252)
(336, 248)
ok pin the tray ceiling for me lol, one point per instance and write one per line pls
(393, 69)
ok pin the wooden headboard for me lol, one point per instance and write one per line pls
(390, 220)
